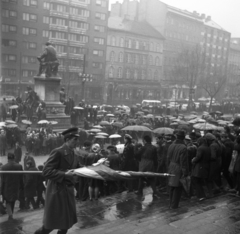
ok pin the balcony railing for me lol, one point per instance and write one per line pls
(58, 27)
(77, 30)
(58, 41)
(78, 17)
(78, 3)
(61, 1)
(64, 15)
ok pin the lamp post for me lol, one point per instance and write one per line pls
(85, 78)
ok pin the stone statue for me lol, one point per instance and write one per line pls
(48, 61)
(62, 95)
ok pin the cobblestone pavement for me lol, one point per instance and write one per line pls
(128, 214)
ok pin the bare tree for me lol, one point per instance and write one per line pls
(188, 68)
(213, 84)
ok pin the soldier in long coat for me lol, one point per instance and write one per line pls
(177, 160)
(60, 207)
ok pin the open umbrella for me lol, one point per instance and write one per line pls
(94, 130)
(100, 137)
(163, 131)
(11, 126)
(102, 133)
(104, 123)
(204, 126)
(10, 121)
(2, 124)
(26, 122)
(98, 126)
(137, 128)
(115, 136)
(110, 115)
(147, 125)
(236, 121)
(13, 107)
(150, 116)
(53, 122)
(174, 124)
(43, 122)
(117, 124)
(78, 108)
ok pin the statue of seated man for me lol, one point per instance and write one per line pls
(48, 61)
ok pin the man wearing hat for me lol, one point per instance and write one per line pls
(177, 160)
(60, 207)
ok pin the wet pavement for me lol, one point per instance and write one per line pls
(129, 214)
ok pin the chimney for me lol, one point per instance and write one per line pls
(208, 18)
(203, 16)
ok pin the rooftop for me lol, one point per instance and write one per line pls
(132, 26)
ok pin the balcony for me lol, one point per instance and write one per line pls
(64, 15)
(76, 56)
(60, 1)
(76, 43)
(78, 17)
(58, 41)
(58, 27)
(78, 3)
(77, 30)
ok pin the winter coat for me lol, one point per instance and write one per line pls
(30, 183)
(237, 164)
(201, 163)
(177, 159)
(148, 158)
(128, 160)
(18, 154)
(11, 183)
(60, 207)
(216, 160)
(114, 161)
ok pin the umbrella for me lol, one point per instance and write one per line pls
(104, 123)
(163, 131)
(140, 113)
(181, 122)
(78, 108)
(110, 115)
(204, 126)
(53, 122)
(26, 122)
(117, 124)
(174, 124)
(12, 126)
(2, 124)
(13, 107)
(102, 133)
(43, 122)
(94, 130)
(194, 113)
(236, 121)
(219, 128)
(98, 126)
(10, 122)
(137, 128)
(150, 116)
(115, 136)
(183, 127)
(147, 125)
(100, 137)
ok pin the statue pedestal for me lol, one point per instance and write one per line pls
(48, 90)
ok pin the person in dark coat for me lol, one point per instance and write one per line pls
(129, 162)
(28, 158)
(237, 164)
(201, 168)
(60, 208)
(30, 185)
(93, 184)
(18, 153)
(11, 184)
(40, 188)
(177, 160)
(114, 163)
(147, 156)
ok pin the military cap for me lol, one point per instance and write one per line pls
(71, 132)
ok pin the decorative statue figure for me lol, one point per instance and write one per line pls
(48, 61)
(62, 95)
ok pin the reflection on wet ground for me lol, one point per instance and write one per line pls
(127, 212)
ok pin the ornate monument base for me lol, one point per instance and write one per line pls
(48, 90)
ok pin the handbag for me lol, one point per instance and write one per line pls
(233, 161)
(186, 182)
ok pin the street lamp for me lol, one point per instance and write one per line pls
(85, 78)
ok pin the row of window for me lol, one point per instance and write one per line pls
(135, 59)
(182, 36)
(69, 36)
(135, 74)
(13, 43)
(134, 44)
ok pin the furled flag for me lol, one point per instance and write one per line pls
(101, 171)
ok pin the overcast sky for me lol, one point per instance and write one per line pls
(226, 13)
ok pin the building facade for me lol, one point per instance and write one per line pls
(21, 42)
(77, 28)
(133, 62)
(233, 81)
